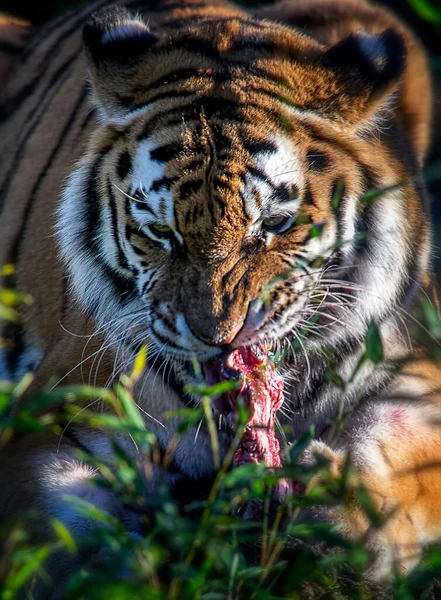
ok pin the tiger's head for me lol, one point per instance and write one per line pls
(219, 203)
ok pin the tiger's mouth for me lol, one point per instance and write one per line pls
(253, 372)
(261, 388)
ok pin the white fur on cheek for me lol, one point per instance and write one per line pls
(384, 267)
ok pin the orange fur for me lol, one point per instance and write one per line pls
(283, 85)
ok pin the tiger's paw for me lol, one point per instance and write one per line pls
(369, 509)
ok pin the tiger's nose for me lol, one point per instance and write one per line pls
(222, 338)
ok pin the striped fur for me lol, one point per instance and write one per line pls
(183, 161)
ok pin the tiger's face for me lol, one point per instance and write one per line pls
(219, 202)
(217, 229)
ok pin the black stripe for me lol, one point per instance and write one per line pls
(28, 211)
(34, 118)
(14, 334)
(197, 46)
(113, 210)
(64, 295)
(124, 288)
(219, 184)
(165, 341)
(173, 77)
(77, 18)
(193, 165)
(166, 153)
(206, 47)
(26, 92)
(317, 160)
(140, 205)
(259, 174)
(189, 188)
(133, 233)
(130, 104)
(258, 146)
(149, 285)
(169, 324)
(88, 118)
(308, 198)
(339, 215)
(316, 135)
(156, 7)
(91, 214)
(219, 103)
(123, 165)
(282, 193)
(9, 48)
(250, 43)
(221, 107)
(250, 22)
(165, 182)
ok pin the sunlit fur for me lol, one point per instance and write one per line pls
(209, 122)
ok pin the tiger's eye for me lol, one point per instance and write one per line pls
(163, 231)
(277, 224)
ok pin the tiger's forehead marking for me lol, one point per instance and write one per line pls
(267, 187)
(156, 204)
(269, 184)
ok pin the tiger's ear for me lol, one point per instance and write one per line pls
(116, 42)
(367, 69)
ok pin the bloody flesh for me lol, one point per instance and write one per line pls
(262, 389)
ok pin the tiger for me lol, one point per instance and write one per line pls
(163, 166)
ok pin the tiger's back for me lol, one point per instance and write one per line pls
(46, 120)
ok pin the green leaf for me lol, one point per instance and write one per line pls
(131, 411)
(303, 219)
(64, 535)
(427, 11)
(90, 511)
(375, 518)
(374, 346)
(336, 379)
(432, 318)
(7, 270)
(338, 193)
(9, 314)
(375, 194)
(316, 230)
(19, 577)
(201, 389)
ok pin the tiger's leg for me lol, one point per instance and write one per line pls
(395, 449)
(35, 474)
(40, 472)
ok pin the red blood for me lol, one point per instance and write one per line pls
(262, 389)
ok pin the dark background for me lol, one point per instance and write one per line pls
(423, 16)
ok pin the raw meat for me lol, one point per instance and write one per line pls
(262, 389)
